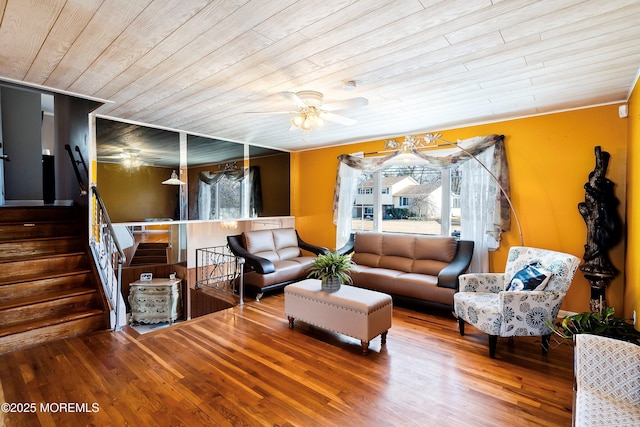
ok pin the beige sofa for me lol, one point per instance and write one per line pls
(273, 258)
(412, 267)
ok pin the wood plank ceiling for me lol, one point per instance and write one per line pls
(201, 66)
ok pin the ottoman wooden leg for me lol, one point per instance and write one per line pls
(291, 319)
(365, 347)
(383, 337)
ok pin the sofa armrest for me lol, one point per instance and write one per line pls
(348, 247)
(258, 264)
(448, 277)
(482, 282)
(311, 248)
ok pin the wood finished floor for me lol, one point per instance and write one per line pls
(244, 366)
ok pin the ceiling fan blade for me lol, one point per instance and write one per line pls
(295, 98)
(346, 103)
(270, 112)
(331, 117)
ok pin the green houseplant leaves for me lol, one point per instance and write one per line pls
(330, 265)
(604, 324)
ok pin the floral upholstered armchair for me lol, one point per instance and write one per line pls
(497, 304)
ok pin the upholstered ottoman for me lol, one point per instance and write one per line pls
(356, 312)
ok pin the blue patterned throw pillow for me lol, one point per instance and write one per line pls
(532, 277)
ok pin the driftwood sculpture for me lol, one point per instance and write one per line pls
(604, 230)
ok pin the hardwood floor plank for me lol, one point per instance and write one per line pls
(244, 366)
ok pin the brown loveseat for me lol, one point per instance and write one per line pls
(273, 258)
(412, 267)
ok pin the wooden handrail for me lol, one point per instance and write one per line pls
(74, 162)
(86, 170)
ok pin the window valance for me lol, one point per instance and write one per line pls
(498, 205)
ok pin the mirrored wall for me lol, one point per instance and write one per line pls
(143, 177)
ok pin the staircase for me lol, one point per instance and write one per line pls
(150, 253)
(48, 289)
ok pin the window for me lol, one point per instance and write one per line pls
(411, 199)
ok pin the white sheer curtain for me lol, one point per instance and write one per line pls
(204, 200)
(348, 176)
(485, 210)
(477, 210)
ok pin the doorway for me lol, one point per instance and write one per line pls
(27, 139)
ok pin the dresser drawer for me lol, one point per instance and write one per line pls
(155, 301)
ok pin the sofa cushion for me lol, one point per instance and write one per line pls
(396, 263)
(368, 242)
(364, 258)
(274, 245)
(258, 241)
(399, 245)
(435, 248)
(427, 266)
(284, 238)
(285, 271)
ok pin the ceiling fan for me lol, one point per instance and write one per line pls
(312, 112)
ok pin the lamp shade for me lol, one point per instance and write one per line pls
(173, 179)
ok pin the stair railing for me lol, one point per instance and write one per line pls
(74, 162)
(218, 268)
(82, 160)
(108, 254)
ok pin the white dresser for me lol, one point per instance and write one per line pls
(155, 301)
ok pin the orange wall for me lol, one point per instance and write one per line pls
(632, 292)
(549, 157)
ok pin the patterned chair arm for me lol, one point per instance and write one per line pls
(528, 312)
(482, 282)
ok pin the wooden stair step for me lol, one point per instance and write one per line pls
(49, 308)
(146, 245)
(45, 330)
(33, 247)
(41, 265)
(151, 252)
(26, 230)
(24, 278)
(45, 297)
(38, 213)
(148, 260)
(48, 288)
(68, 280)
(48, 321)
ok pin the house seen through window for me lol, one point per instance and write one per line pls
(409, 199)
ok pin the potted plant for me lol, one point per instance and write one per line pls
(331, 269)
(604, 324)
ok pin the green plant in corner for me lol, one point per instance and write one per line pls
(604, 324)
(330, 265)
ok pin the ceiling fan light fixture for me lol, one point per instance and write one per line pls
(307, 124)
(297, 120)
(173, 179)
(307, 119)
